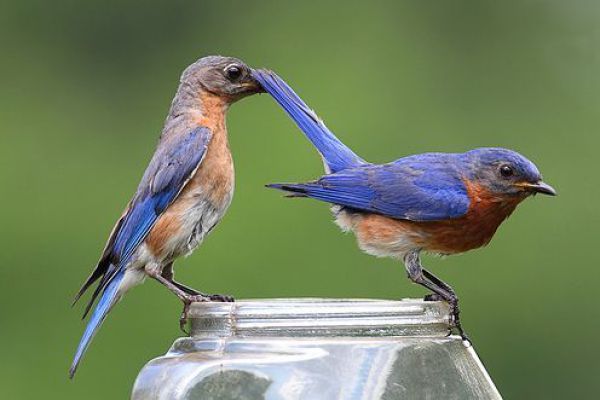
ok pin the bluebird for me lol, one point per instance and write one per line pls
(439, 203)
(186, 189)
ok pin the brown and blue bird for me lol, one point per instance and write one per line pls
(440, 203)
(184, 193)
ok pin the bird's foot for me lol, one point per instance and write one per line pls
(454, 314)
(433, 297)
(187, 301)
(223, 298)
(455, 321)
(199, 298)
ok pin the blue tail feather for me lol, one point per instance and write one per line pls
(336, 155)
(349, 196)
(107, 300)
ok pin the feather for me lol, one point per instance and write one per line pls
(172, 166)
(400, 190)
(335, 154)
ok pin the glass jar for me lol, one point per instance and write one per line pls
(317, 349)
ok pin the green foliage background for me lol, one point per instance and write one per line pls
(84, 90)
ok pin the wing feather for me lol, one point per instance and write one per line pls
(420, 188)
(172, 166)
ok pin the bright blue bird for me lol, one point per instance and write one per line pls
(441, 203)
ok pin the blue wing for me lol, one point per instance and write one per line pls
(170, 169)
(172, 165)
(426, 187)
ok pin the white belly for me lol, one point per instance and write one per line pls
(196, 223)
(395, 246)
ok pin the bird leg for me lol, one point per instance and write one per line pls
(222, 298)
(454, 309)
(169, 274)
(183, 295)
(435, 280)
(219, 298)
(441, 290)
(186, 294)
(186, 298)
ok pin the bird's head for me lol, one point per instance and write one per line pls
(223, 76)
(505, 172)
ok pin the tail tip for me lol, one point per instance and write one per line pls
(291, 190)
(72, 371)
(274, 185)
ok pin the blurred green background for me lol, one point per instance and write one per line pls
(85, 87)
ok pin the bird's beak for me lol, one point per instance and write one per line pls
(539, 187)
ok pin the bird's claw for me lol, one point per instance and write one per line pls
(454, 314)
(200, 298)
(183, 320)
(433, 297)
(455, 321)
(223, 298)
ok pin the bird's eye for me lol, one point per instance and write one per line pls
(233, 72)
(506, 171)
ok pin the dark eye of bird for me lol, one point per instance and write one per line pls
(506, 171)
(233, 72)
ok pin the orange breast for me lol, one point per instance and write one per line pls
(214, 178)
(475, 229)
(216, 174)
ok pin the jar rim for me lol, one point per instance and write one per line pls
(319, 317)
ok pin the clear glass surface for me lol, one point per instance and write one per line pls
(317, 349)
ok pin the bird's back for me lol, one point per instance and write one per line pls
(426, 187)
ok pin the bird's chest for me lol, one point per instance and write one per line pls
(383, 236)
(199, 207)
(471, 231)
(207, 206)
(208, 195)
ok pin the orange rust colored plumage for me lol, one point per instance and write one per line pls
(473, 230)
(166, 226)
(215, 175)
